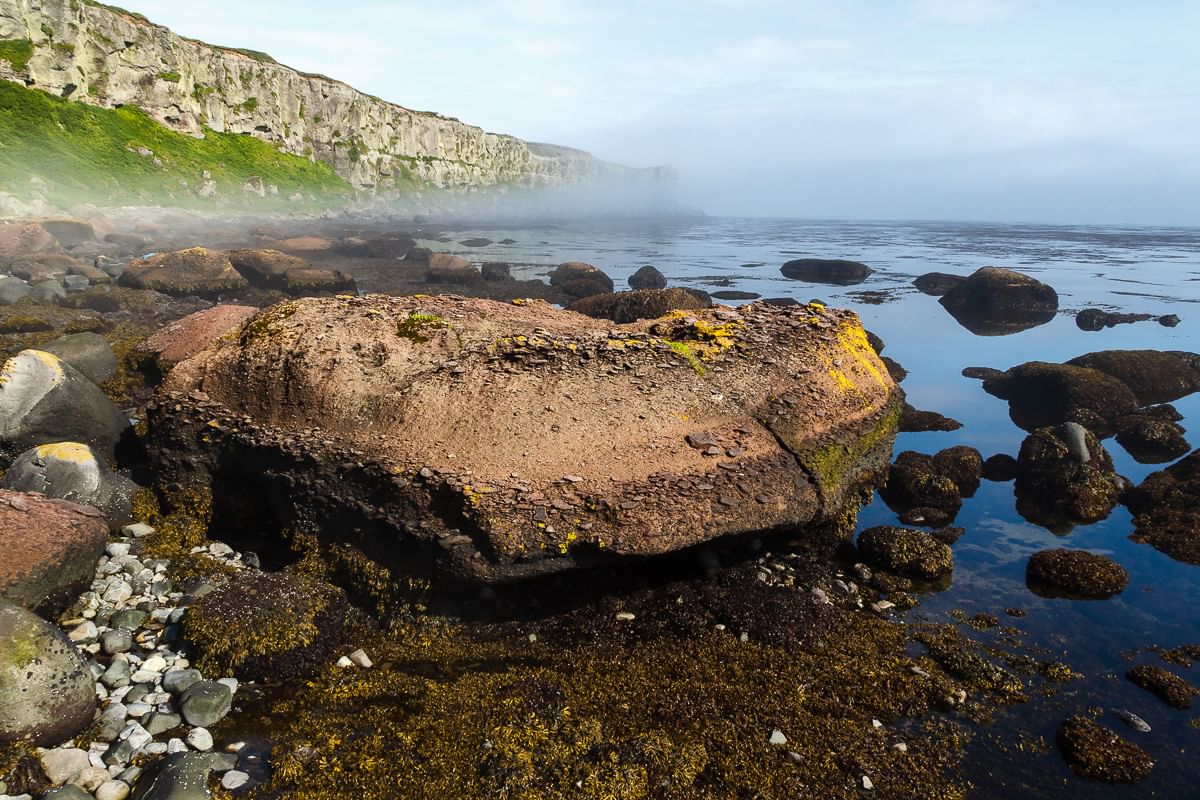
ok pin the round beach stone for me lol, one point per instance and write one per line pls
(71, 471)
(179, 776)
(68, 792)
(46, 688)
(647, 277)
(63, 763)
(13, 289)
(205, 703)
(89, 353)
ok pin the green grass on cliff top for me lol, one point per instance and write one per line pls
(90, 154)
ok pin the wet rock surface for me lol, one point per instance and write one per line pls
(1065, 477)
(995, 302)
(835, 271)
(1097, 753)
(1163, 684)
(1166, 509)
(647, 277)
(1075, 574)
(929, 489)
(50, 548)
(1154, 376)
(938, 283)
(907, 552)
(1096, 319)
(516, 498)
(1040, 394)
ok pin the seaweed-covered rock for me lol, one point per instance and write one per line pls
(195, 271)
(185, 337)
(1096, 319)
(906, 552)
(71, 471)
(496, 271)
(1154, 376)
(995, 302)
(45, 400)
(1163, 684)
(921, 482)
(590, 462)
(1166, 509)
(50, 549)
(938, 283)
(89, 353)
(267, 626)
(1151, 440)
(271, 269)
(647, 277)
(1000, 468)
(1097, 753)
(913, 420)
(624, 307)
(580, 280)
(1065, 477)
(1075, 574)
(47, 693)
(1041, 394)
(835, 271)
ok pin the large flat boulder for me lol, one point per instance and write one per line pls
(271, 269)
(496, 441)
(50, 548)
(195, 271)
(185, 337)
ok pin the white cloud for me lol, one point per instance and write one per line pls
(542, 48)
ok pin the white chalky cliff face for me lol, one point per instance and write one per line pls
(106, 57)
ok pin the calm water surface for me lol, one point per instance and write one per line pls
(1136, 269)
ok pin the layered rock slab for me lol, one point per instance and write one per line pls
(503, 441)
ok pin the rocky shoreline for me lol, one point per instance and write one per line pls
(297, 535)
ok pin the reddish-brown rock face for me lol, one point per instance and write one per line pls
(50, 548)
(188, 336)
(507, 440)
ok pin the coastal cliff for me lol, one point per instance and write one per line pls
(108, 57)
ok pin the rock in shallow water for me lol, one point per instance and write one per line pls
(47, 692)
(906, 552)
(195, 271)
(1064, 478)
(1076, 574)
(1097, 753)
(835, 271)
(442, 400)
(996, 302)
(1166, 509)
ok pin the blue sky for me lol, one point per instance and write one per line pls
(1040, 110)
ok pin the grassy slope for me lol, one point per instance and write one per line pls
(89, 154)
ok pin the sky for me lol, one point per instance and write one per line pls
(1076, 111)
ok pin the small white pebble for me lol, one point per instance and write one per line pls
(866, 783)
(200, 739)
(625, 616)
(876, 723)
(234, 778)
(361, 659)
(901, 746)
(344, 662)
(777, 737)
(112, 790)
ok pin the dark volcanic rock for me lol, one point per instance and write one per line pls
(50, 549)
(47, 693)
(623, 307)
(647, 278)
(915, 421)
(478, 241)
(733, 294)
(1075, 574)
(835, 271)
(1166, 509)
(1000, 468)
(996, 302)
(604, 469)
(1041, 394)
(1095, 319)
(1166, 686)
(961, 464)
(1096, 753)
(906, 552)
(1151, 440)
(938, 283)
(1154, 376)
(580, 280)
(1065, 477)
(196, 271)
(895, 369)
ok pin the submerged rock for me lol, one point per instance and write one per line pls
(835, 271)
(996, 302)
(647, 277)
(195, 271)
(44, 400)
(1163, 684)
(906, 552)
(50, 549)
(179, 776)
(47, 694)
(1151, 440)
(1065, 477)
(1166, 509)
(1095, 319)
(625, 307)
(71, 471)
(1075, 574)
(507, 440)
(1097, 753)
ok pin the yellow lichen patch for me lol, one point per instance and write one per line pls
(852, 338)
(51, 361)
(74, 452)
